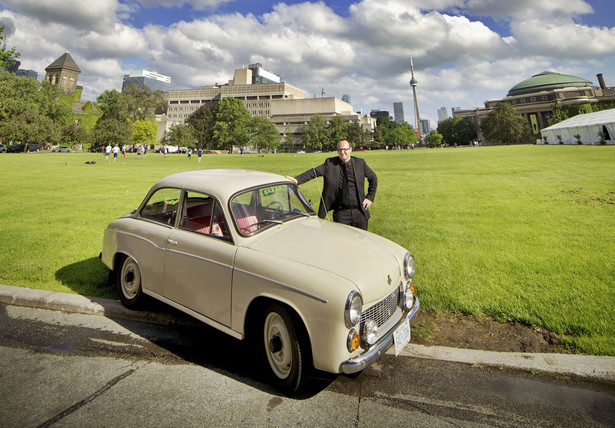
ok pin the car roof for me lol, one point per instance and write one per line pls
(221, 182)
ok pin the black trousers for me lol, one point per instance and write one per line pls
(351, 216)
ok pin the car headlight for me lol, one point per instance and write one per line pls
(408, 265)
(352, 311)
(370, 332)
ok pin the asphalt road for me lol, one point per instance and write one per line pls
(75, 370)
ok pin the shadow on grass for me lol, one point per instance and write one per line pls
(87, 278)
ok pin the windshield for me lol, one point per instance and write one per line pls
(259, 208)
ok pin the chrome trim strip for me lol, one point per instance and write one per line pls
(296, 290)
(362, 361)
(171, 250)
(149, 241)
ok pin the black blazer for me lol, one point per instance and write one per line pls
(331, 170)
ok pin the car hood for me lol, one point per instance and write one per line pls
(365, 259)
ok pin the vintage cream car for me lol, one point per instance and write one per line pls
(244, 252)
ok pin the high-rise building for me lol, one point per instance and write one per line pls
(151, 79)
(398, 112)
(346, 98)
(424, 126)
(442, 114)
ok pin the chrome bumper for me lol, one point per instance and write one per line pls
(362, 361)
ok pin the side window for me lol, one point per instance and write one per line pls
(162, 206)
(202, 214)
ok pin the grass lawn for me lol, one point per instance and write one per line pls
(523, 233)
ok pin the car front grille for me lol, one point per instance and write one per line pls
(382, 311)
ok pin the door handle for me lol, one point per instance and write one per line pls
(172, 242)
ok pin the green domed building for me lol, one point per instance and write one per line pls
(534, 99)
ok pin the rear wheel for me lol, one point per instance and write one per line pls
(285, 348)
(128, 282)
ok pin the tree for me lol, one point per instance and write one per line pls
(434, 139)
(74, 134)
(338, 130)
(384, 135)
(404, 135)
(112, 131)
(19, 94)
(7, 57)
(231, 128)
(315, 133)
(202, 122)
(263, 133)
(457, 130)
(358, 136)
(30, 127)
(143, 103)
(181, 135)
(113, 105)
(144, 132)
(505, 124)
(131, 105)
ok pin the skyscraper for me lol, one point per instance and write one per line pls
(151, 79)
(398, 112)
(442, 114)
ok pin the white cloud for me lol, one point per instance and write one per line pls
(459, 61)
(77, 14)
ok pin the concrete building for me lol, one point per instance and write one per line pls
(263, 94)
(151, 79)
(534, 99)
(398, 112)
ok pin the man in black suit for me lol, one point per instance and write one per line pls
(344, 187)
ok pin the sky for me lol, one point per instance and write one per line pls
(464, 51)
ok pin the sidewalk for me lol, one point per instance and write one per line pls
(590, 367)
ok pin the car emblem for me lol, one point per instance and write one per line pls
(389, 279)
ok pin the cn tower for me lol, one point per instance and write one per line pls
(414, 83)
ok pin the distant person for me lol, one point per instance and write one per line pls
(344, 187)
(241, 152)
(116, 150)
(107, 151)
(189, 153)
(199, 153)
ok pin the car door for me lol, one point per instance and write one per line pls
(149, 238)
(199, 259)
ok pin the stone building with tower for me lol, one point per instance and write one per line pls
(63, 72)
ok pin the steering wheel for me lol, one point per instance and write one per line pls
(278, 205)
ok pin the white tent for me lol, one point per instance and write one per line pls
(587, 126)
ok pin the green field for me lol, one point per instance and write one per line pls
(522, 233)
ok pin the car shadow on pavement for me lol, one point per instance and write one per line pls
(187, 340)
(177, 338)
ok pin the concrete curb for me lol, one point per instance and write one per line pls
(590, 367)
(586, 366)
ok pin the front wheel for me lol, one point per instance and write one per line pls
(286, 349)
(129, 282)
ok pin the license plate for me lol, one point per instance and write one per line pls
(401, 336)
